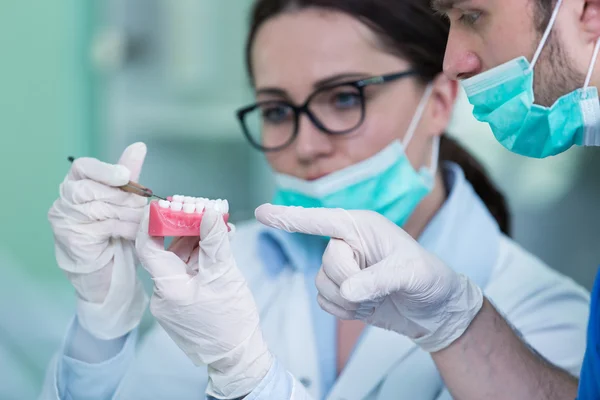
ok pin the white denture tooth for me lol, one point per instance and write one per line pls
(178, 198)
(225, 207)
(188, 200)
(176, 206)
(218, 206)
(221, 204)
(164, 203)
(210, 204)
(199, 207)
(189, 208)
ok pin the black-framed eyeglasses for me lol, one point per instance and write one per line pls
(334, 109)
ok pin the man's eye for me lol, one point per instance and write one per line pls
(470, 18)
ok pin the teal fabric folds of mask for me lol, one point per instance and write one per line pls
(503, 97)
(386, 182)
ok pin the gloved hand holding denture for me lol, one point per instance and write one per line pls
(374, 271)
(203, 302)
(94, 225)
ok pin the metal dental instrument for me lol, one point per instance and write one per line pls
(133, 187)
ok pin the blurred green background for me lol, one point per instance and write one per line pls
(90, 77)
(46, 114)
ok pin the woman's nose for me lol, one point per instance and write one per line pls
(311, 142)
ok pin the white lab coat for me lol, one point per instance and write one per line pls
(384, 365)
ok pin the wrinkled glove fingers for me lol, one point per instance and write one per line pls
(338, 261)
(96, 170)
(93, 232)
(388, 276)
(99, 211)
(86, 191)
(214, 239)
(330, 291)
(184, 247)
(192, 263)
(335, 310)
(117, 229)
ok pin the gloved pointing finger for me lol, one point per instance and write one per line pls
(369, 234)
(313, 221)
(400, 287)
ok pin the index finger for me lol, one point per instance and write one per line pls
(331, 222)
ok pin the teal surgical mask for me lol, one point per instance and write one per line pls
(386, 182)
(504, 98)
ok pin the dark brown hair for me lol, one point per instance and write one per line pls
(411, 30)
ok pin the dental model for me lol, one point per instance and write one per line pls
(181, 215)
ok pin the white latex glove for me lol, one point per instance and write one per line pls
(374, 271)
(203, 302)
(94, 226)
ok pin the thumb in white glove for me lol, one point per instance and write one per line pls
(374, 271)
(203, 302)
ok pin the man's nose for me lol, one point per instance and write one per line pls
(460, 61)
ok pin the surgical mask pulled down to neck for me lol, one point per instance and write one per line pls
(504, 98)
(386, 182)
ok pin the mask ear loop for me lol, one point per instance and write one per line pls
(538, 52)
(435, 156)
(592, 65)
(410, 132)
(413, 127)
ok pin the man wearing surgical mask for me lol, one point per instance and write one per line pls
(528, 68)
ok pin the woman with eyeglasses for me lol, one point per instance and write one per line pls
(351, 112)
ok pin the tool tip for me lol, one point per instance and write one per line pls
(71, 158)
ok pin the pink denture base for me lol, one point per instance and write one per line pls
(165, 222)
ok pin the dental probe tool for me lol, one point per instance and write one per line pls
(133, 187)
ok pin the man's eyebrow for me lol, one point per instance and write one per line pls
(443, 6)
